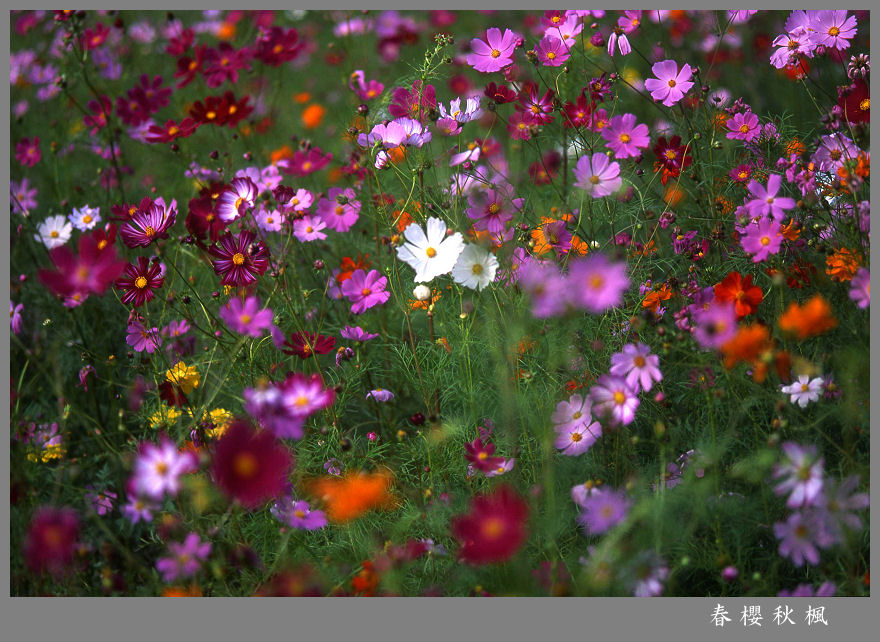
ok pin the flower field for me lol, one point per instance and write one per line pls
(440, 303)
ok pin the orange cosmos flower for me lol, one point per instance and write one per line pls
(842, 265)
(313, 116)
(744, 295)
(652, 299)
(750, 343)
(808, 321)
(350, 497)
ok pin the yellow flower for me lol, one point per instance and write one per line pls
(53, 451)
(164, 417)
(221, 418)
(184, 376)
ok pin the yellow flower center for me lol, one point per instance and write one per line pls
(54, 234)
(576, 437)
(238, 258)
(476, 268)
(495, 53)
(140, 283)
(594, 179)
(366, 292)
(619, 398)
(625, 138)
(309, 229)
(245, 319)
(299, 513)
(245, 465)
(551, 55)
(493, 528)
(596, 281)
(211, 115)
(87, 218)
(671, 82)
(744, 129)
(149, 231)
(765, 240)
(577, 415)
(173, 130)
(833, 31)
(301, 401)
(865, 105)
(494, 208)
(431, 252)
(639, 361)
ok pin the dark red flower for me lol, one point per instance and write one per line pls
(179, 45)
(94, 38)
(499, 93)
(480, 455)
(494, 529)
(250, 466)
(543, 172)
(202, 218)
(171, 130)
(98, 112)
(172, 394)
(239, 259)
(140, 280)
(92, 272)
(221, 110)
(578, 114)
(188, 68)
(856, 104)
(105, 238)
(131, 110)
(671, 156)
(150, 222)
(277, 46)
(539, 106)
(305, 344)
(223, 63)
(52, 540)
(413, 103)
(152, 93)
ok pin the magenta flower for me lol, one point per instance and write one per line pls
(715, 325)
(413, 103)
(480, 455)
(158, 469)
(801, 475)
(365, 290)
(150, 222)
(743, 126)
(552, 51)
(637, 365)
(596, 284)
(671, 84)
(495, 53)
(603, 509)
(571, 413)
(762, 239)
(826, 589)
(356, 334)
(625, 138)
(283, 407)
(597, 175)
(15, 317)
(236, 199)
(546, 287)
(614, 400)
(488, 211)
(308, 228)
(140, 338)
(239, 259)
(27, 151)
(185, 560)
(22, 196)
(140, 280)
(765, 201)
(365, 90)
(860, 290)
(246, 317)
(380, 395)
(298, 514)
(101, 501)
(338, 209)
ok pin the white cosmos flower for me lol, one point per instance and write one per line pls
(430, 254)
(54, 232)
(804, 390)
(475, 267)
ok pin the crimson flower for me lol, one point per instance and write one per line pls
(202, 218)
(140, 280)
(188, 68)
(52, 540)
(304, 344)
(480, 455)
(171, 130)
(672, 156)
(221, 110)
(98, 112)
(494, 529)
(304, 163)
(251, 467)
(276, 46)
(223, 63)
(94, 38)
(151, 221)
(180, 44)
(578, 114)
(500, 93)
(239, 259)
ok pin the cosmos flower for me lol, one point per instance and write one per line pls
(614, 400)
(305, 344)
(860, 291)
(494, 529)
(151, 221)
(365, 290)
(765, 202)
(85, 218)
(246, 317)
(236, 199)
(762, 239)
(380, 395)
(743, 126)
(576, 438)
(140, 280)
(552, 51)
(250, 466)
(351, 496)
(239, 260)
(597, 175)
(670, 84)
(431, 253)
(624, 137)
(800, 536)
(596, 284)
(54, 232)
(339, 209)
(475, 267)
(637, 365)
(495, 53)
(602, 510)
(801, 475)
(185, 560)
(142, 339)
(52, 539)
(834, 28)
(308, 228)
(356, 334)
(480, 455)
(298, 514)
(158, 469)
(804, 390)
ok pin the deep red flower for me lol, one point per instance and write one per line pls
(202, 218)
(171, 130)
(408, 103)
(150, 222)
(152, 93)
(543, 172)
(140, 280)
(179, 45)
(52, 540)
(741, 292)
(223, 63)
(92, 272)
(480, 455)
(188, 68)
(172, 394)
(539, 106)
(305, 344)
(98, 112)
(239, 259)
(671, 157)
(131, 109)
(105, 238)
(94, 38)
(578, 114)
(27, 151)
(499, 93)
(856, 104)
(494, 529)
(221, 110)
(250, 466)
(277, 46)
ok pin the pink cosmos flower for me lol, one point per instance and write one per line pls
(236, 199)
(338, 209)
(149, 223)
(671, 85)
(574, 440)
(519, 126)
(365, 290)
(552, 51)
(571, 413)
(298, 514)
(762, 239)
(639, 367)
(365, 90)
(246, 317)
(185, 560)
(800, 475)
(308, 228)
(15, 317)
(625, 138)
(614, 400)
(495, 53)
(765, 201)
(158, 469)
(743, 126)
(268, 220)
(300, 202)
(834, 28)
(597, 175)
(860, 291)
(596, 284)
(27, 151)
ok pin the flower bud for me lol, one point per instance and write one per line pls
(422, 293)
